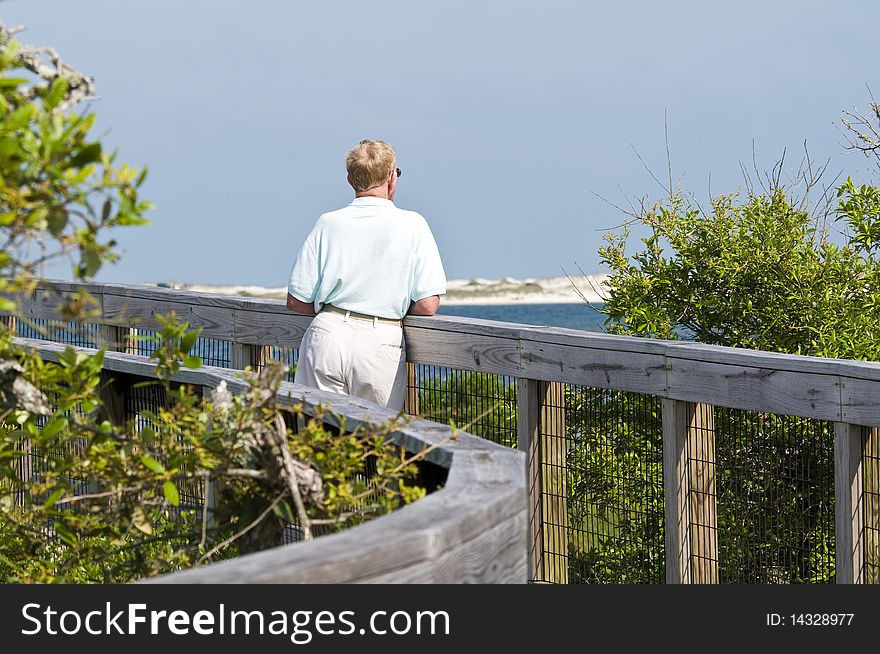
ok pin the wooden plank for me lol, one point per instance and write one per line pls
(468, 563)
(554, 482)
(848, 508)
(640, 373)
(676, 492)
(475, 353)
(755, 389)
(43, 305)
(461, 325)
(270, 328)
(411, 402)
(742, 387)
(871, 503)
(528, 432)
(703, 529)
(858, 402)
(692, 351)
(216, 322)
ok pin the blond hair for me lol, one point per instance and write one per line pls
(369, 164)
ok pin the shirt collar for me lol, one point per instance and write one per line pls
(369, 201)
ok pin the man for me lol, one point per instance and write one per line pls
(360, 271)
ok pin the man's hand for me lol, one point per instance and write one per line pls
(305, 308)
(425, 307)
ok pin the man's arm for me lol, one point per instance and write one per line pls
(305, 308)
(425, 307)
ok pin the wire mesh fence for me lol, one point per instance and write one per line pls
(213, 352)
(611, 455)
(480, 403)
(760, 491)
(600, 471)
(70, 333)
(774, 485)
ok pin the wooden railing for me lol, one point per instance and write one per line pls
(690, 378)
(471, 530)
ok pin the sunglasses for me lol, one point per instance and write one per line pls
(398, 172)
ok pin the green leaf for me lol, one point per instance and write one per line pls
(56, 92)
(9, 147)
(192, 362)
(88, 154)
(96, 363)
(140, 521)
(65, 535)
(12, 82)
(57, 220)
(170, 492)
(152, 464)
(90, 264)
(18, 118)
(54, 497)
(284, 511)
(189, 340)
(53, 428)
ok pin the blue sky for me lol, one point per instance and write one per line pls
(508, 117)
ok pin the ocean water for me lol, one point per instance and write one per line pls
(573, 316)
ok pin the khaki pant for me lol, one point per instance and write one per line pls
(359, 357)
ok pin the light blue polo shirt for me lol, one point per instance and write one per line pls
(369, 257)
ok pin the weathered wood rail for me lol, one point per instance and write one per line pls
(690, 378)
(473, 530)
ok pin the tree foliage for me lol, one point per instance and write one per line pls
(758, 271)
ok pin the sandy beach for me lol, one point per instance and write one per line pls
(545, 290)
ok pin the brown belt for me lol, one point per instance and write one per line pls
(362, 316)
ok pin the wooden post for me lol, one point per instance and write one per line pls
(243, 355)
(675, 492)
(541, 434)
(411, 405)
(871, 502)
(210, 502)
(690, 494)
(112, 394)
(528, 431)
(114, 338)
(554, 478)
(113, 385)
(25, 468)
(10, 322)
(849, 513)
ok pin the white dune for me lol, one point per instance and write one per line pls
(544, 290)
